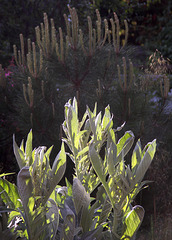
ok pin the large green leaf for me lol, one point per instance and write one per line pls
(94, 234)
(24, 158)
(52, 219)
(80, 197)
(106, 210)
(97, 162)
(86, 135)
(19, 154)
(88, 220)
(107, 119)
(146, 161)
(34, 214)
(73, 126)
(124, 144)
(112, 159)
(136, 156)
(9, 194)
(25, 189)
(92, 123)
(68, 227)
(28, 148)
(132, 222)
(58, 170)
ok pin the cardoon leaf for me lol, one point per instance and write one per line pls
(136, 156)
(86, 135)
(83, 151)
(92, 123)
(98, 124)
(112, 158)
(24, 184)
(25, 189)
(19, 154)
(87, 217)
(28, 148)
(52, 218)
(73, 126)
(69, 187)
(58, 170)
(96, 162)
(133, 221)
(94, 234)
(80, 196)
(9, 194)
(124, 144)
(68, 228)
(146, 161)
(75, 105)
(107, 119)
(106, 210)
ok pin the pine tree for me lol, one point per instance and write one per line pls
(95, 65)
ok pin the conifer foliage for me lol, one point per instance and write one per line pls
(93, 64)
(59, 65)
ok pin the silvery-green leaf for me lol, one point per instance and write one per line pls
(87, 217)
(92, 123)
(107, 119)
(52, 218)
(25, 190)
(58, 170)
(124, 144)
(136, 156)
(68, 227)
(98, 124)
(133, 221)
(9, 194)
(146, 161)
(94, 234)
(96, 162)
(112, 159)
(106, 210)
(28, 148)
(24, 184)
(19, 154)
(73, 127)
(83, 151)
(75, 105)
(69, 187)
(80, 196)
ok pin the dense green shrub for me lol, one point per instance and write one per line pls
(37, 208)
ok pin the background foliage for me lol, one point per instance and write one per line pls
(148, 20)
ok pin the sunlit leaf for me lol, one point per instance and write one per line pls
(125, 143)
(28, 148)
(19, 154)
(52, 218)
(9, 194)
(133, 221)
(80, 196)
(136, 156)
(146, 161)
